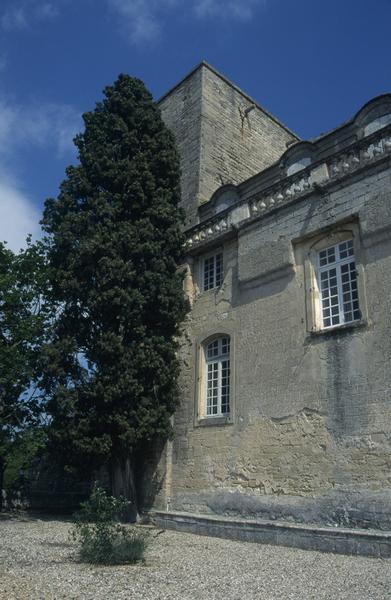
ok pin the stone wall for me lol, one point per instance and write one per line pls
(238, 138)
(310, 438)
(181, 111)
(219, 142)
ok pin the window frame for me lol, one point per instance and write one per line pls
(337, 268)
(313, 301)
(207, 257)
(217, 382)
(201, 374)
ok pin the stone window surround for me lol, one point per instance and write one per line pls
(200, 416)
(310, 249)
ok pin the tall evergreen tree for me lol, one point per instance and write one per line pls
(114, 240)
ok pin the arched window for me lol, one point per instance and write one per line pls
(298, 157)
(217, 377)
(377, 123)
(298, 165)
(374, 115)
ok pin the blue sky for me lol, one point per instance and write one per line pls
(311, 63)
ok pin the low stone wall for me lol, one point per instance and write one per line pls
(307, 537)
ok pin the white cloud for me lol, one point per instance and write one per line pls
(40, 125)
(241, 10)
(21, 14)
(14, 18)
(143, 20)
(140, 19)
(49, 125)
(18, 217)
(45, 126)
(47, 10)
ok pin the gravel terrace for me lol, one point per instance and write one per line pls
(37, 561)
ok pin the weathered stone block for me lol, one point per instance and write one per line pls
(260, 259)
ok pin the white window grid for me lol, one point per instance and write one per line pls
(337, 280)
(213, 271)
(218, 377)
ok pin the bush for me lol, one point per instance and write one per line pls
(102, 539)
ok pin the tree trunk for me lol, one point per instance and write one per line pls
(2, 470)
(123, 484)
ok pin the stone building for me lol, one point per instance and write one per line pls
(285, 414)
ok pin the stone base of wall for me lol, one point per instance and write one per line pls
(308, 537)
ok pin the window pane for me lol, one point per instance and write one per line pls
(350, 307)
(225, 346)
(213, 271)
(208, 273)
(327, 256)
(219, 270)
(212, 388)
(345, 249)
(330, 304)
(225, 374)
(213, 349)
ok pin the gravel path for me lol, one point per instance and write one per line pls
(37, 561)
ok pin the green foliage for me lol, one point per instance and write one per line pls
(114, 240)
(102, 539)
(101, 508)
(26, 446)
(24, 319)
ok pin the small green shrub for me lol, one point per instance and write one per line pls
(102, 539)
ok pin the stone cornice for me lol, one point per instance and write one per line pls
(356, 157)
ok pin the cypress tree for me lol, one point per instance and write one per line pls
(114, 241)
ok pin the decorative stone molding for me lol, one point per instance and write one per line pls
(360, 154)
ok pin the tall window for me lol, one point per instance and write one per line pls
(217, 377)
(337, 280)
(213, 271)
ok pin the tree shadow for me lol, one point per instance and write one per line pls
(151, 474)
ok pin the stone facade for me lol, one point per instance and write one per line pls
(223, 136)
(308, 434)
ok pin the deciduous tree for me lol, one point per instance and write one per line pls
(24, 319)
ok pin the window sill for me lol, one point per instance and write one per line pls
(211, 291)
(339, 329)
(212, 421)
